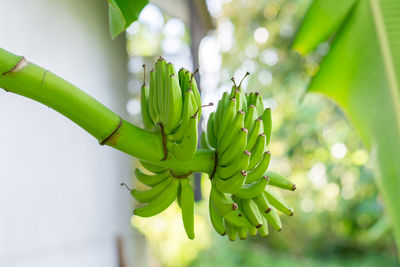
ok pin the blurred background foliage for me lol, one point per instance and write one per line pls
(339, 218)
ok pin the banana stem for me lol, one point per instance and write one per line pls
(21, 77)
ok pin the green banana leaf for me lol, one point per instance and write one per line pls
(122, 13)
(361, 73)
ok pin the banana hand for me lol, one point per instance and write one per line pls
(161, 203)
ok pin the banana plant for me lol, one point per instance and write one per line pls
(361, 73)
(234, 149)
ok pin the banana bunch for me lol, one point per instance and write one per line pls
(171, 104)
(164, 188)
(240, 202)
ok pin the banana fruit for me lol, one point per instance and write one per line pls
(187, 206)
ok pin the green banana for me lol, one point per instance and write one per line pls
(243, 101)
(151, 180)
(227, 208)
(185, 150)
(250, 117)
(231, 230)
(238, 146)
(278, 202)
(189, 109)
(152, 167)
(237, 124)
(258, 151)
(233, 184)
(186, 82)
(161, 83)
(233, 89)
(262, 203)
(259, 103)
(149, 195)
(193, 86)
(263, 230)
(250, 98)
(220, 112)
(217, 220)
(252, 231)
(171, 70)
(240, 163)
(273, 219)
(267, 123)
(259, 171)
(236, 93)
(252, 139)
(239, 100)
(161, 203)
(184, 77)
(156, 107)
(242, 232)
(227, 118)
(280, 181)
(210, 131)
(173, 104)
(187, 206)
(153, 110)
(220, 202)
(144, 102)
(237, 218)
(254, 99)
(252, 213)
(178, 197)
(253, 190)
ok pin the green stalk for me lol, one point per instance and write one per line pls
(21, 77)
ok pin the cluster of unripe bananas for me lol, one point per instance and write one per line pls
(241, 201)
(165, 188)
(172, 103)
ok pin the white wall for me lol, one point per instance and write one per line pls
(60, 199)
